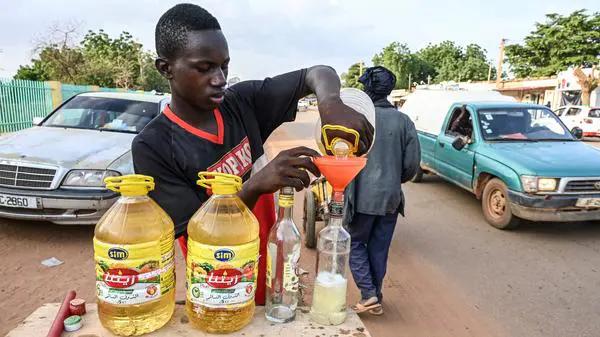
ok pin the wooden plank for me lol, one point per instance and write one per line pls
(38, 323)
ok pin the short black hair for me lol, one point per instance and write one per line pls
(172, 27)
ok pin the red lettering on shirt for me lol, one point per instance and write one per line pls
(238, 161)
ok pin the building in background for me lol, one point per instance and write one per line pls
(568, 89)
(554, 91)
(538, 90)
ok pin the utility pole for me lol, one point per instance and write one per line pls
(409, 81)
(500, 62)
(489, 72)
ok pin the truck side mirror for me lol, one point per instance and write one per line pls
(577, 132)
(459, 143)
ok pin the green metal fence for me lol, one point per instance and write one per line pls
(21, 101)
(70, 90)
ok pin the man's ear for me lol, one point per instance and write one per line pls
(164, 67)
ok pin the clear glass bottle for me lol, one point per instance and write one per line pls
(333, 249)
(283, 253)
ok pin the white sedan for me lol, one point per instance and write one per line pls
(584, 117)
(55, 170)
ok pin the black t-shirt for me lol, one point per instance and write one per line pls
(173, 152)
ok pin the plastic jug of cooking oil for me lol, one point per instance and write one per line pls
(135, 271)
(223, 243)
(357, 100)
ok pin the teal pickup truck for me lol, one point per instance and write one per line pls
(518, 159)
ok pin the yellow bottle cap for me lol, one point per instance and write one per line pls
(330, 145)
(220, 183)
(286, 197)
(130, 185)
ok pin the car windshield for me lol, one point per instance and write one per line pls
(522, 124)
(101, 113)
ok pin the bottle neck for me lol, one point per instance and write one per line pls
(335, 221)
(286, 203)
(336, 210)
(285, 212)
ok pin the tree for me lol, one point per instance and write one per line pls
(476, 66)
(398, 58)
(112, 62)
(150, 78)
(450, 62)
(58, 58)
(97, 60)
(587, 82)
(557, 44)
(350, 78)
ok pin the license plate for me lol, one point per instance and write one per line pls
(588, 202)
(17, 201)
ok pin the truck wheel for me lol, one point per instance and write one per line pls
(418, 177)
(309, 219)
(496, 205)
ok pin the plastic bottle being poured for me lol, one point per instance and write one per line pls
(333, 245)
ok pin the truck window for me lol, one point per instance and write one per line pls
(594, 113)
(521, 124)
(460, 124)
(559, 112)
(573, 112)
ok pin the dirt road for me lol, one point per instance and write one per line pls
(450, 274)
(419, 300)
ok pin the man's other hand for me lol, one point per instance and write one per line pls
(288, 168)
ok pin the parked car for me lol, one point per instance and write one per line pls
(585, 117)
(518, 159)
(303, 105)
(55, 170)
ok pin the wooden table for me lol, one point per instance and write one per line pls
(38, 323)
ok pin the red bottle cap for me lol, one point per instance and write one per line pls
(77, 306)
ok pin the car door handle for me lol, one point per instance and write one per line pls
(442, 145)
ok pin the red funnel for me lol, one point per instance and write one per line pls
(340, 172)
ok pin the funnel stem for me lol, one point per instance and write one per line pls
(338, 197)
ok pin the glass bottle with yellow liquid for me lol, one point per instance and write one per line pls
(223, 243)
(135, 270)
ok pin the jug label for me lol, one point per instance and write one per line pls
(221, 275)
(134, 274)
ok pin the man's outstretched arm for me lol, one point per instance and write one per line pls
(324, 82)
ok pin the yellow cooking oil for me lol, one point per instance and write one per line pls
(135, 270)
(223, 242)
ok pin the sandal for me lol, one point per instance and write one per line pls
(366, 305)
(376, 311)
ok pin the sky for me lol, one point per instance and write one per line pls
(269, 37)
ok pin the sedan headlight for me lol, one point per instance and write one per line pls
(533, 184)
(88, 178)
